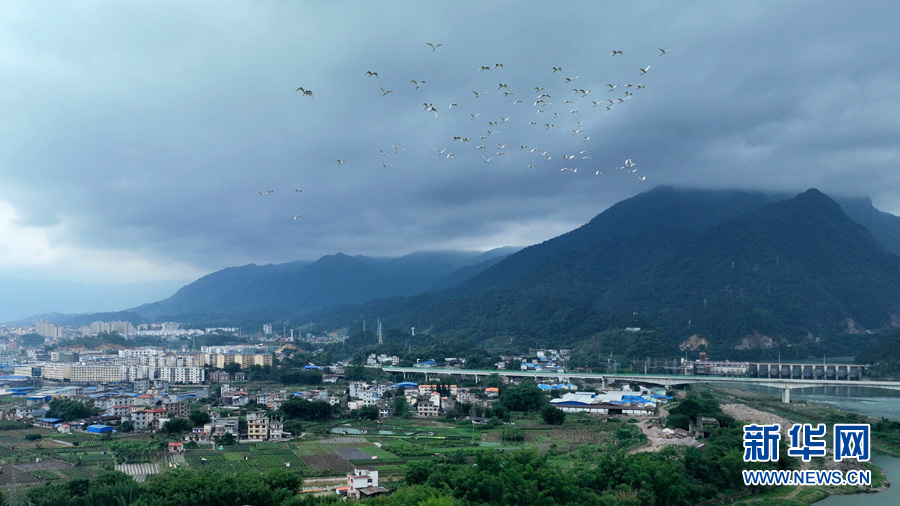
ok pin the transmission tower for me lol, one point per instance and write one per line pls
(378, 332)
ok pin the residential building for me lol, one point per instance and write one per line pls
(427, 410)
(363, 483)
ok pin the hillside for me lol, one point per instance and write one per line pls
(280, 290)
(736, 268)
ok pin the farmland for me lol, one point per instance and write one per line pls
(330, 451)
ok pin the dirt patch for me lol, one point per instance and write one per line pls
(745, 413)
(585, 436)
(657, 438)
(335, 463)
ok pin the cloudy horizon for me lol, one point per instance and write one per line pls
(141, 140)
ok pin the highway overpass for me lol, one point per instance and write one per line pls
(664, 380)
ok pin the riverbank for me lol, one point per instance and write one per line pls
(751, 407)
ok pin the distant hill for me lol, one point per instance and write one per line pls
(281, 290)
(885, 227)
(742, 270)
(802, 275)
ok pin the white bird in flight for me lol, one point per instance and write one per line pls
(369, 73)
(306, 93)
(384, 91)
(663, 51)
(433, 46)
(417, 83)
(644, 70)
(297, 217)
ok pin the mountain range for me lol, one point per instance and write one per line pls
(731, 269)
(734, 270)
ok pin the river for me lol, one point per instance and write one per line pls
(871, 402)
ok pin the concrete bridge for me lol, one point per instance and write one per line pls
(664, 380)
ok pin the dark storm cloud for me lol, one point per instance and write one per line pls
(154, 127)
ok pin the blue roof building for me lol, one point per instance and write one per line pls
(100, 429)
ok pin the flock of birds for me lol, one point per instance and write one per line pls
(563, 105)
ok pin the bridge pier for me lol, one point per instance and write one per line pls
(786, 395)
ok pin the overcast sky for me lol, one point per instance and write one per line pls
(136, 137)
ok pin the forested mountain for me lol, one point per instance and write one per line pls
(281, 290)
(737, 269)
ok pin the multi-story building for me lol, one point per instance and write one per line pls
(139, 352)
(55, 371)
(123, 328)
(96, 373)
(180, 409)
(193, 375)
(48, 330)
(427, 410)
(257, 426)
(363, 483)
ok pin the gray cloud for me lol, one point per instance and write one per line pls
(153, 127)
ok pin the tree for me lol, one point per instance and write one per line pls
(70, 409)
(306, 410)
(199, 418)
(401, 406)
(227, 439)
(513, 434)
(366, 413)
(553, 415)
(232, 368)
(177, 426)
(126, 426)
(355, 373)
(525, 396)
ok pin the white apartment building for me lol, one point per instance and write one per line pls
(193, 375)
(123, 328)
(95, 373)
(141, 419)
(139, 352)
(56, 371)
(48, 330)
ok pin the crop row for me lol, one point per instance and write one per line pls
(44, 475)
